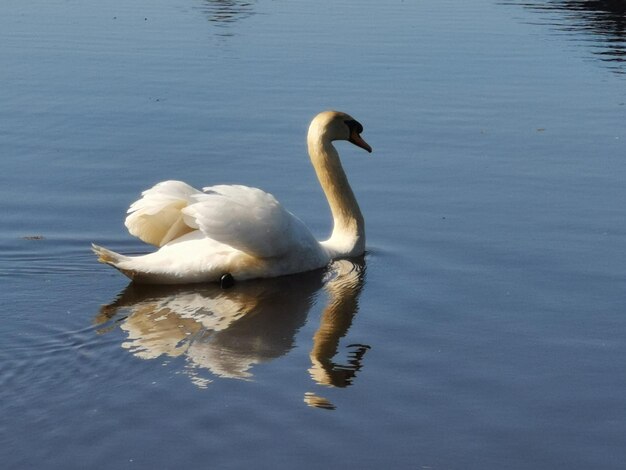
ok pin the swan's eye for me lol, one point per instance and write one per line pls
(354, 126)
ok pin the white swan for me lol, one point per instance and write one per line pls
(243, 231)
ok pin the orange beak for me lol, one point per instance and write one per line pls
(357, 140)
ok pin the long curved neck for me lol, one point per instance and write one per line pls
(348, 236)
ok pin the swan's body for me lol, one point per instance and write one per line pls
(240, 230)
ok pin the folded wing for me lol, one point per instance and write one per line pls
(248, 219)
(156, 218)
(244, 218)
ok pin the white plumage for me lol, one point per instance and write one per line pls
(240, 230)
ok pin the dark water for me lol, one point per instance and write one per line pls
(484, 327)
(599, 24)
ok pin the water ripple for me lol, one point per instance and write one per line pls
(598, 24)
(34, 255)
(223, 13)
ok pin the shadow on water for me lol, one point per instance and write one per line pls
(227, 332)
(601, 23)
(223, 13)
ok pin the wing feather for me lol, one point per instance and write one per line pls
(157, 217)
(245, 218)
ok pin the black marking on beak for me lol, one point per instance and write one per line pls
(355, 135)
(354, 126)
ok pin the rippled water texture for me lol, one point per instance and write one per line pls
(484, 327)
(599, 24)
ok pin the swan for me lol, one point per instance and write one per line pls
(243, 231)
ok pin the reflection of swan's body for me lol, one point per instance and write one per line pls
(240, 230)
(229, 331)
(224, 331)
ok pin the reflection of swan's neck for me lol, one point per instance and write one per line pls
(348, 237)
(343, 304)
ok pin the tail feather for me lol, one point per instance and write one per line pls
(108, 256)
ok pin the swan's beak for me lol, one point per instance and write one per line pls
(357, 140)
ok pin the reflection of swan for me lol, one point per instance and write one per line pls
(229, 331)
(603, 22)
(240, 230)
(226, 11)
(343, 296)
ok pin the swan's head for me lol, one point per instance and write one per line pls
(335, 125)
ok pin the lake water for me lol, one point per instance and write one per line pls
(484, 329)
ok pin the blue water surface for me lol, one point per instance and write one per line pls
(482, 330)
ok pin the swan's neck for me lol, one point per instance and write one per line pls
(348, 236)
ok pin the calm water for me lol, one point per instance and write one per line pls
(483, 329)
